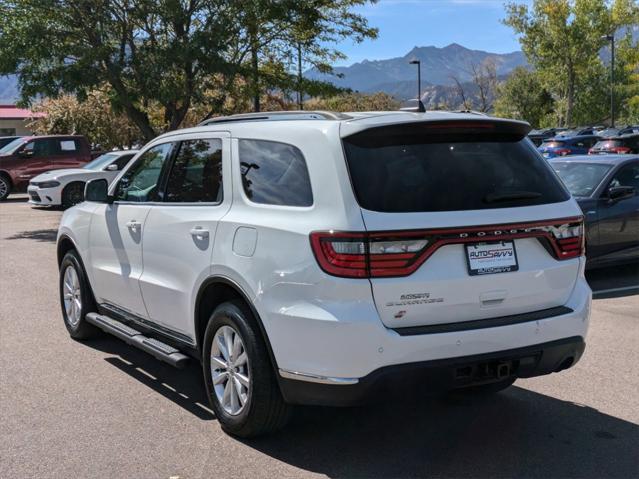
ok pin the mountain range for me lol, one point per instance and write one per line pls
(397, 76)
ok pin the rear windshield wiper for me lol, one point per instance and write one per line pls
(513, 195)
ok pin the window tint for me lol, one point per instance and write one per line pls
(44, 147)
(196, 174)
(627, 176)
(122, 161)
(581, 179)
(411, 170)
(274, 173)
(140, 183)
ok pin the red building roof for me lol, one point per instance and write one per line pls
(12, 112)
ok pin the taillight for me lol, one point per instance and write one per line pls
(363, 255)
(623, 150)
(400, 253)
(591, 151)
(341, 254)
(562, 151)
(569, 240)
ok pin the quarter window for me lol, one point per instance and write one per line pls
(274, 173)
(140, 182)
(196, 175)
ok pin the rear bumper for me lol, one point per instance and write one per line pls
(431, 377)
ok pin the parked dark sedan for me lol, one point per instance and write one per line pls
(607, 189)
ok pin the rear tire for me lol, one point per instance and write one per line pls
(5, 187)
(76, 298)
(243, 411)
(72, 194)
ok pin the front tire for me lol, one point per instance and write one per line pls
(76, 298)
(238, 375)
(5, 187)
(72, 194)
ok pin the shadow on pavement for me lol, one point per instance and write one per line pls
(184, 387)
(48, 235)
(16, 199)
(615, 281)
(517, 433)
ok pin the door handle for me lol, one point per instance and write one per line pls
(199, 232)
(133, 224)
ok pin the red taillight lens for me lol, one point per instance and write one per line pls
(341, 254)
(569, 240)
(624, 150)
(400, 253)
(562, 152)
(360, 255)
(591, 151)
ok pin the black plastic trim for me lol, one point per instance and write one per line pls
(150, 329)
(483, 323)
(437, 376)
(232, 284)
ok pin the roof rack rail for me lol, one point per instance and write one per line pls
(472, 112)
(277, 116)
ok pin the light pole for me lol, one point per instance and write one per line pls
(419, 78)
(611, 39)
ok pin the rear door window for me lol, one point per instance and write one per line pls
(274, 173)
(412, 170)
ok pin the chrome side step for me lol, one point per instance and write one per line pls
(132, 336)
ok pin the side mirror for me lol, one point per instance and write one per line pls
(97, 191)
(111, 167)
(617, 193)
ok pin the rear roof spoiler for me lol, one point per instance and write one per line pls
(465, 129)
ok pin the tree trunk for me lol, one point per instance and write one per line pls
(570, 97)
(255, 72)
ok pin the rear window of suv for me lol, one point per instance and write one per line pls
(412, 169)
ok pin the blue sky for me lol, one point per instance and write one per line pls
(404, 24)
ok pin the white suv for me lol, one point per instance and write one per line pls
(321, 258)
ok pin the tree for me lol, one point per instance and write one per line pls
(169, 53)
(92, 117)
(355, 102)
(561, 39)
(522, 96)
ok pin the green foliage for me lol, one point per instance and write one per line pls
(168, 53)
(522, 96)
(92, 117)
(354, 102)
(561, 39)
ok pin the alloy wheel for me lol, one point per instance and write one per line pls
(230, 370)
(72, 295)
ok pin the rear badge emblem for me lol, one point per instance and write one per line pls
(400, 314)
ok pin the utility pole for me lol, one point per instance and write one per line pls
(419, 78)
(300, 100)
(611, 39)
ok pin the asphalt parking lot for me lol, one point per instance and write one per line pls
(102, 409)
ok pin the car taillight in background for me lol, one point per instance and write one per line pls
(400, 253)
(623, 150)
(562, 151)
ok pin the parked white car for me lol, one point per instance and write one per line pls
(323, 258)
(66, 187)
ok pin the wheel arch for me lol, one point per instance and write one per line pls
(65, 244)
(214, 291)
